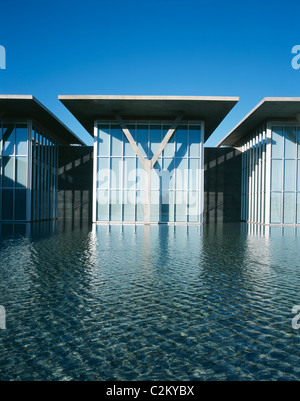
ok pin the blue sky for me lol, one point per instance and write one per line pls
(143, 47)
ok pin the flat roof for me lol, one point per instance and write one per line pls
(28, 107)
(87, 109)
(270, 108)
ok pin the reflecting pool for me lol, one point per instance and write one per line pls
(150, 303)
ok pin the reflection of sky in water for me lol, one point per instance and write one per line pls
(151, 303)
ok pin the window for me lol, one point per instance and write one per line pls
(176, 180)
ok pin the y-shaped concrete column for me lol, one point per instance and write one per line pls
(148, 164)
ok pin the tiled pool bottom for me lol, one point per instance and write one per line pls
(151, 303)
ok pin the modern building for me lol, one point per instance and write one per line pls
(148, 164)
(29, 138)
(269, 138)
(148, 154)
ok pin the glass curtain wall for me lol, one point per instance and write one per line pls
(14, 167)
(44, 176)
(285, 175)
(28, 181)
(254, 177)
(271, 175)
(176, 180)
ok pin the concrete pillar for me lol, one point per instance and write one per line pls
(147, 201)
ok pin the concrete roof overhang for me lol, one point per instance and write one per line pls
(211, 110)
(29, 108)
(270, 108)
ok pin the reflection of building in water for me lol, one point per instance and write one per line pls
(269, 138)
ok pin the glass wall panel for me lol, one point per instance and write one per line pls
(298, 142)
(8, 139)
(171, 210)
(142, 139)
(166, 202)
(289, 175)
(128, 151)
(276, 174)
(21, 139)
(156, 177)
(194, 174)
(193, 206)
(169, 150)
(129, 206)
(155, 139)
(140, 206)
(115, 205)
(8, 171)
(115, 172)
(103, 140)
(7, 204)
(140, 176)
(181, 166)
(155, 206)
(102, 205)
(289, 208)
(298, 175)
(277, 142)
(168, 174)
(298, 208)
(129, 173)
(276, 207)
(194, 140)
(290, 142)
(103, 172)
(21, 172)
(181, 142)
(116, 141)
(20, 204)
(180, 206)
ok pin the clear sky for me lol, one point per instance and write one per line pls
(143, 47)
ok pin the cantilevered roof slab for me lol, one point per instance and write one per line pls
(270, 108)
(87, 109)
(27, 107)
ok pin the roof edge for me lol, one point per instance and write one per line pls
(58, 120)
(43, 108)
(142, 97)
(264, 100)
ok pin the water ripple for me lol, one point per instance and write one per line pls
(150, 303)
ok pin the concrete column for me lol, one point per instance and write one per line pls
(147, 201)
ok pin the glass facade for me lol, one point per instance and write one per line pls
(28, 180)
(44, 176)
(14, 171)
(285, 175)
(176, 179)
(271, 175)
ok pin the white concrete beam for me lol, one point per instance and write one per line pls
(130, 139)
(166, 139)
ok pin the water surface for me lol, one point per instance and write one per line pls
(151, 303)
